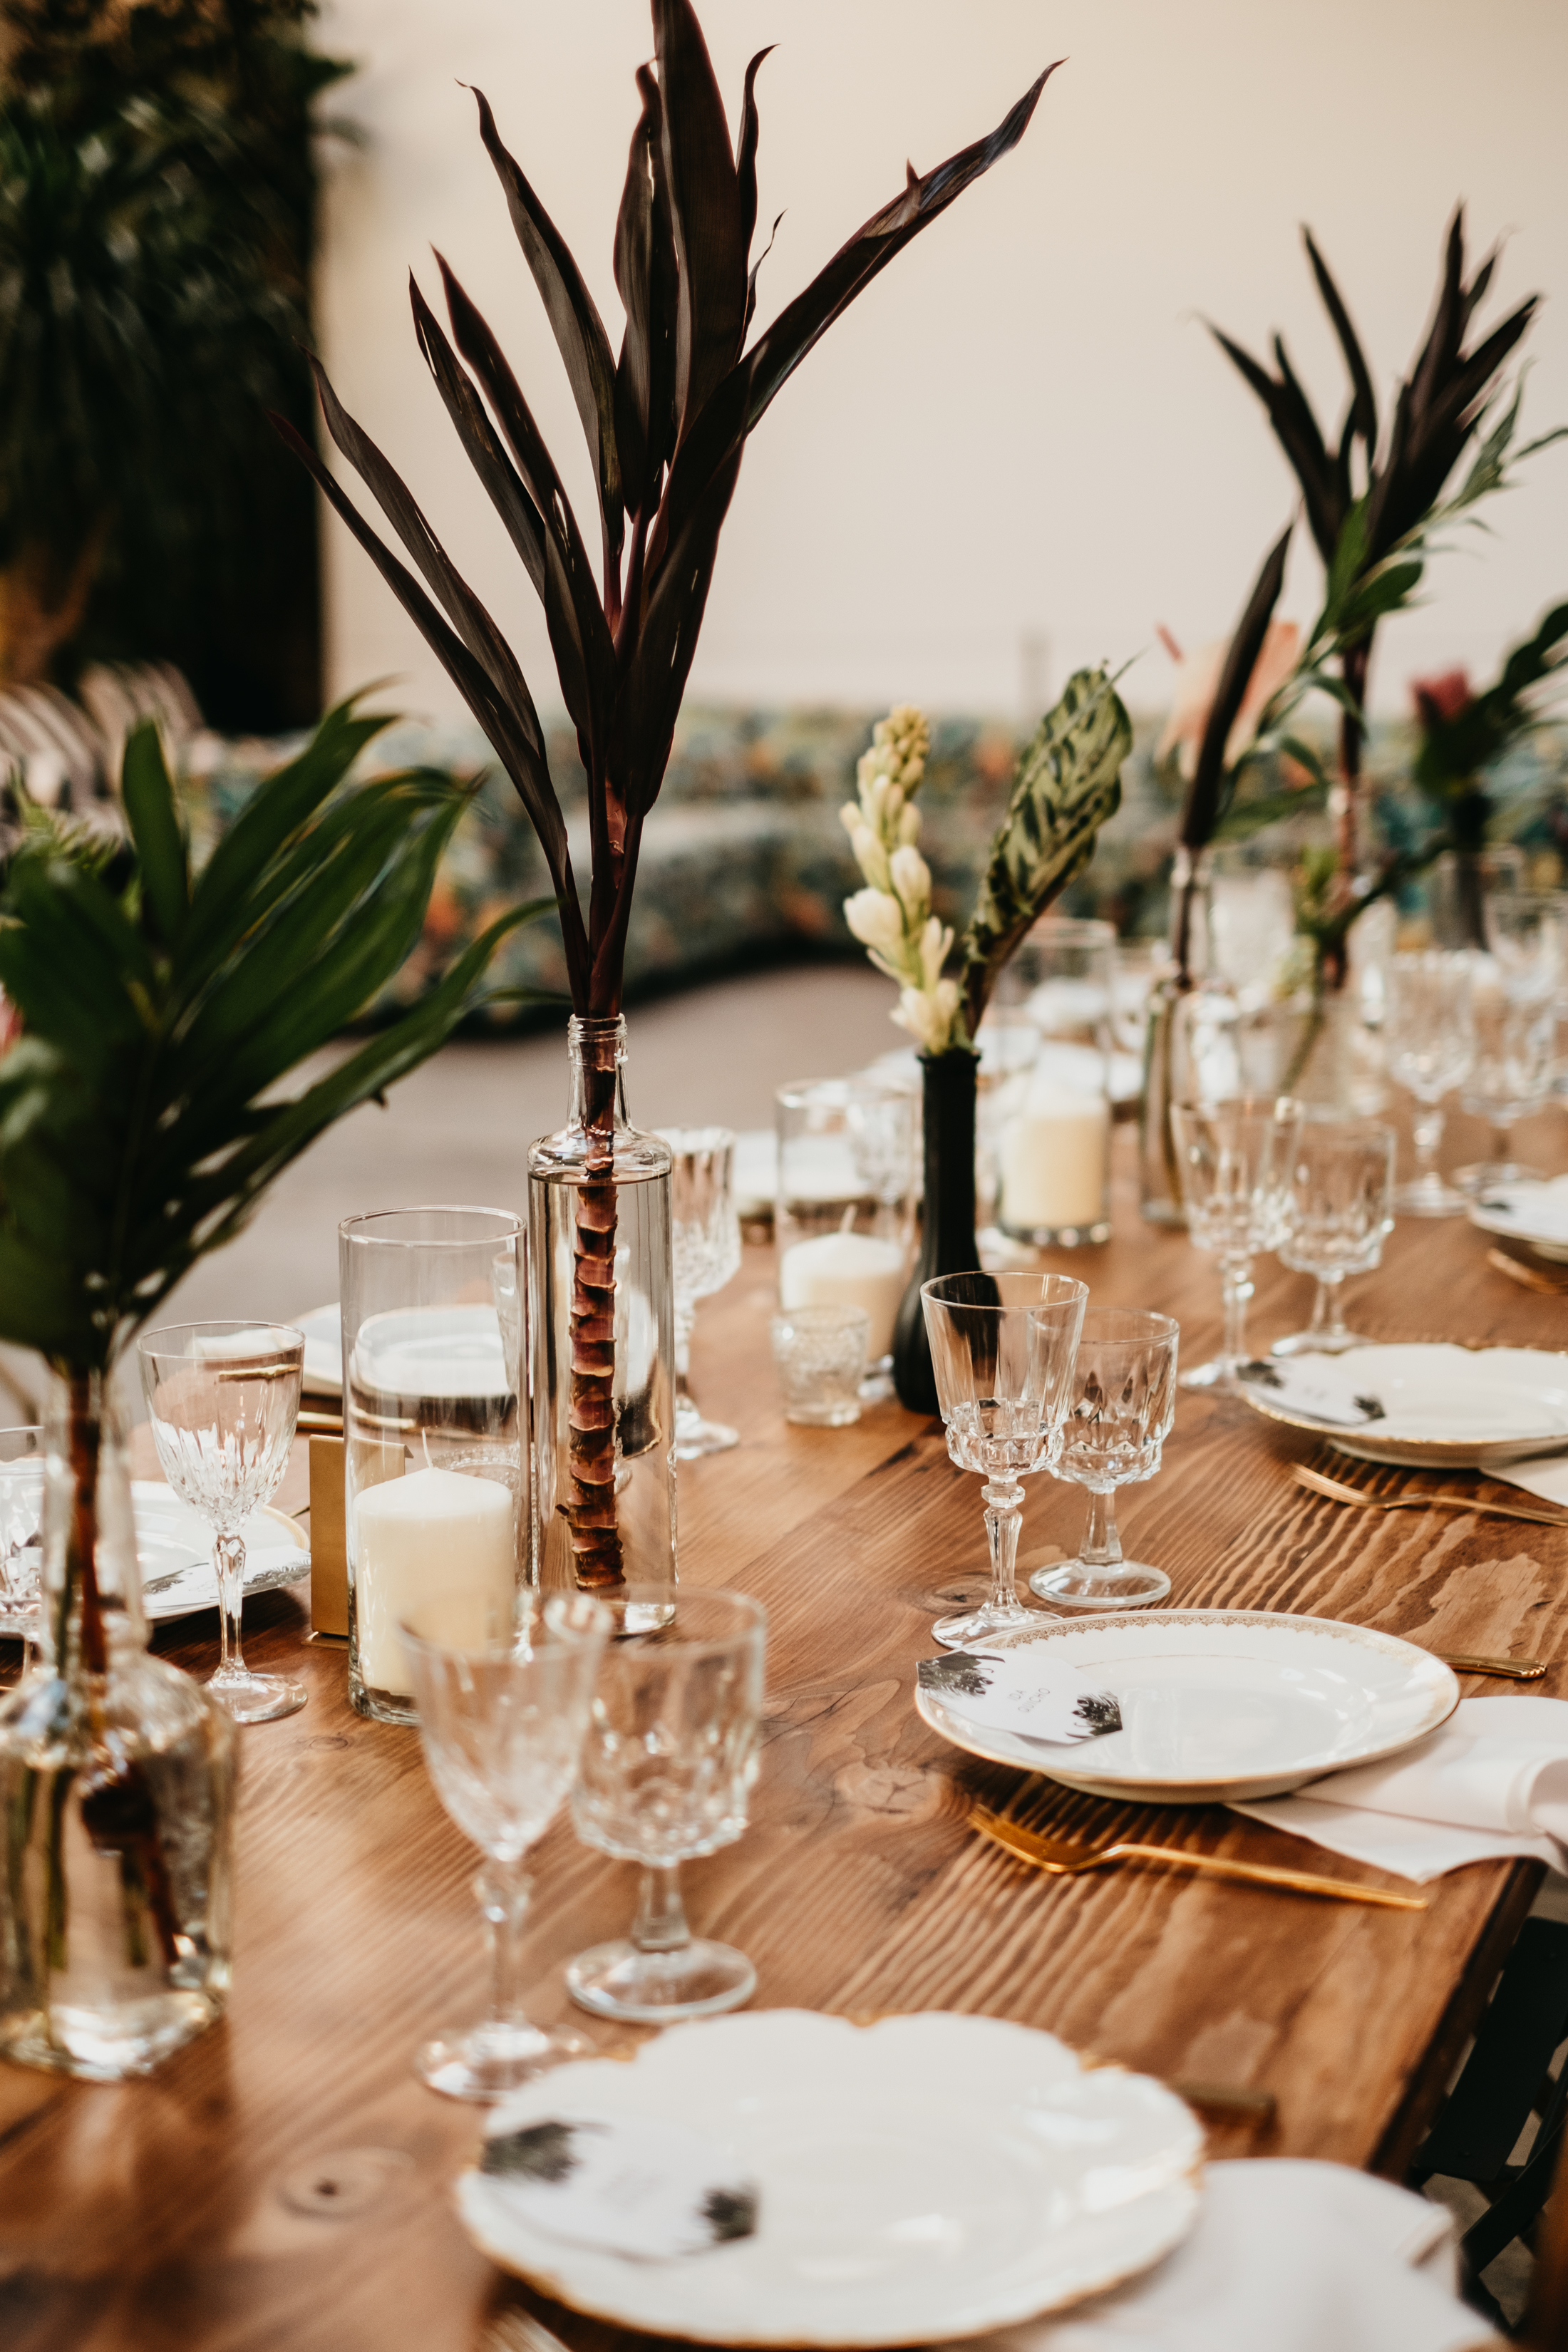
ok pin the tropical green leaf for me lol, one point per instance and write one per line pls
(1068, 784)
(149, 798)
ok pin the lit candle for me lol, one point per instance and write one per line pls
(439, 1549)
(1053, 1164)
(847, 1270)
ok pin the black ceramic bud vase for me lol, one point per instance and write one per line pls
(947, 1237)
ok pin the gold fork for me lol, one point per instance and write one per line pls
(1531, 1277)
(1338, 1492)
(1062, 1861)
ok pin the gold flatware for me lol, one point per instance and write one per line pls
(1228, 2099)
(1070, 1860)
(321, 1424)
(1510, 1670)
(1338, 1492)
(1533, 1278)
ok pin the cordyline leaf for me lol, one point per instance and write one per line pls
(503, 484)
(521, 753)
(746, 149)
(634, 265)
(1068, 786)
(149, 798)
(579, 329)
(1309, 459)
(712, 237)
(803, 322)
(1361, 421)
(579, 633)
(1206, 793)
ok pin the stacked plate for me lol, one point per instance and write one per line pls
(906, 2182)
(174, 1548)
(1531, 1213)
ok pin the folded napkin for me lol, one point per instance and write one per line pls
(1545, 1475)
(1284, 2256)
(1493, 1780)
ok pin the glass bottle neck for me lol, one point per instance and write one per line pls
(92, 1574)
(596, 1057)
(1192, 877)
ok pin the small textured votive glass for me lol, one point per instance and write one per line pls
(820, 1356)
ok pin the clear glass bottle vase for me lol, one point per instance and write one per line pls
(602, 1337)
(1175, 1033)
(117, 1786)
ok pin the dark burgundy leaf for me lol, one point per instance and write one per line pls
(1362, 420)
(756, 265)
(705, 211)
(514, 733)
(1205, 792)
(634, 267)
(1304, 449)
(746, 150)
(489, 461)
(578, 328)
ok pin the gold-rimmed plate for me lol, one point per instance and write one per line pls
(1444, 1407)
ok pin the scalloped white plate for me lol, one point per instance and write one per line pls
(1531, 1213)
(175, 1541)
(922, 2179)
(1445, 1407)
(1219, 1707)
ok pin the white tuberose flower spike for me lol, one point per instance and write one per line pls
(893, 917)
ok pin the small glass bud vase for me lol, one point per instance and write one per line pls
(602, 1335)
(117, 1783)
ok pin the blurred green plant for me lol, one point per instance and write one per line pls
(1377, 505)
(141, 1116)
(156, 198)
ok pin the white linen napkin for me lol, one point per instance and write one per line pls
(1545, 1475)
(1493, 1782)
(1284, 2256)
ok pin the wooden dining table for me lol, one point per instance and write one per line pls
(284, 2182)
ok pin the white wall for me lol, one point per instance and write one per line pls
(1020, 448)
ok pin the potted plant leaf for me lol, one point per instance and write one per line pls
(141, 1122)
(667, 423)
(1066, 785)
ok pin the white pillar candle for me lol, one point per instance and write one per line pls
(439, 1549)
(1053, 1163)
(847, 1270)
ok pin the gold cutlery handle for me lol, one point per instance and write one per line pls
(1263, 1873)
(1492, 1510)
(1510, 1670)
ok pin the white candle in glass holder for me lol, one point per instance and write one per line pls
(1053, 1163)
(847, 1270)
(438, 1549)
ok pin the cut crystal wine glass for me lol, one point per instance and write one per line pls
(501, 1726)
(666, 1772)
(1340, 1210)
(1514, 989)
(1428, 1036)
(706, 1240)
(1235, 1160)
(1122, 1404)
(224, 1399)
(1002, 1348)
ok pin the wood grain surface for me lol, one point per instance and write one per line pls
(234, 2202)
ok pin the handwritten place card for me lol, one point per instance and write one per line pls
(1017, 1691)
(646, 2190)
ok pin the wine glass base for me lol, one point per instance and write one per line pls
(696, 1437)
(1482, 1174)
(1429, 1196)
(701, 1980)
(1217, 1376)
(484, 2062)
(256, 1698)
(1317, 1343)
(1079, 1584)
(982, 1624)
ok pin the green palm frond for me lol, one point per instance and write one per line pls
(141, 1116)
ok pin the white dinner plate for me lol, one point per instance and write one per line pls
(1449, 1407)
(1531, 1213)
(1219, 1706)
(921, 2178)
(173, 1541)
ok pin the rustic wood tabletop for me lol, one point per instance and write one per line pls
(228, 2203)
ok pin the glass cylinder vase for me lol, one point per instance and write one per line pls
(433, 1464)
(601, 1303)
(117, 1783)
(844, 1218)
(1054, 1156)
